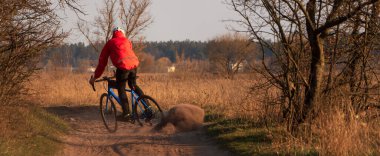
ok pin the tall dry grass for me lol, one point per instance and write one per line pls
(342, 134)
(62, 88)
(224, 96)
(333, 133)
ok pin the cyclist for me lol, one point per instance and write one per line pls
(119, 49)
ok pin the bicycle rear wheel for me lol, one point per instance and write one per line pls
(108, 113)
(147, 109)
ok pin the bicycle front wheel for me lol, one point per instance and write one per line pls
(108, 113)
(147, 109)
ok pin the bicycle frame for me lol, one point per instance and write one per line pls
(134, 97)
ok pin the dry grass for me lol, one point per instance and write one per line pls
(221, 95)
(29, 130)
(331, 134)
(340, 134)
(63, 88)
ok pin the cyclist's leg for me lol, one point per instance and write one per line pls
(121, 82)
(133, 85)
(132, 82)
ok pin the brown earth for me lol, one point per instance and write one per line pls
(89, 137)
(185, 117)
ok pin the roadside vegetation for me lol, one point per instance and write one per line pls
(30, 131)
(27, 29)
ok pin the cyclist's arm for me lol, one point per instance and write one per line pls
(103, 59)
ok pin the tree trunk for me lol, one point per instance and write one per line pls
(312, 93)
(315, 76)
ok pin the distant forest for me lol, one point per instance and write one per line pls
(75, 54)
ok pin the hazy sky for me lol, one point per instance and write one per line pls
(172, 19)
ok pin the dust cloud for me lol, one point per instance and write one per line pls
(184, 117)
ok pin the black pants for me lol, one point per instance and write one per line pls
(122, 77)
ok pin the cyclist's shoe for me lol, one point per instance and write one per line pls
(123, 117)
(148, 114)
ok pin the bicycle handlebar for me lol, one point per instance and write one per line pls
(105, 78)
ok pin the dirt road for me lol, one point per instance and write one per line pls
(89, 137)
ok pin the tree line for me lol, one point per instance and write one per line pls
(224, 54)
(75, 53)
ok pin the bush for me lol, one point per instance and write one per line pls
(27, 28)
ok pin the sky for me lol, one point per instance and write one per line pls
(198, 20)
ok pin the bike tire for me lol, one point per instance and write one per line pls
(108, 113)
(152, 114)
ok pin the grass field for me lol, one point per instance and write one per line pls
(239, 119)
(219, 94)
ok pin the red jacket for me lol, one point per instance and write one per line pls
(119, 49)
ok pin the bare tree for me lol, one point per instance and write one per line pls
(100, 31)
(73, 5)
(133, 15)
(296, 33)
(227, 53)
(27, 29)
(147, 62)
(364, 42)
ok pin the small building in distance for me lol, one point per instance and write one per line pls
(171, 69)
(91, 69)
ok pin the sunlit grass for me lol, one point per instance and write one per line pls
(30, 131)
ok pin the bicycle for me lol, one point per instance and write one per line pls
(143, 107)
